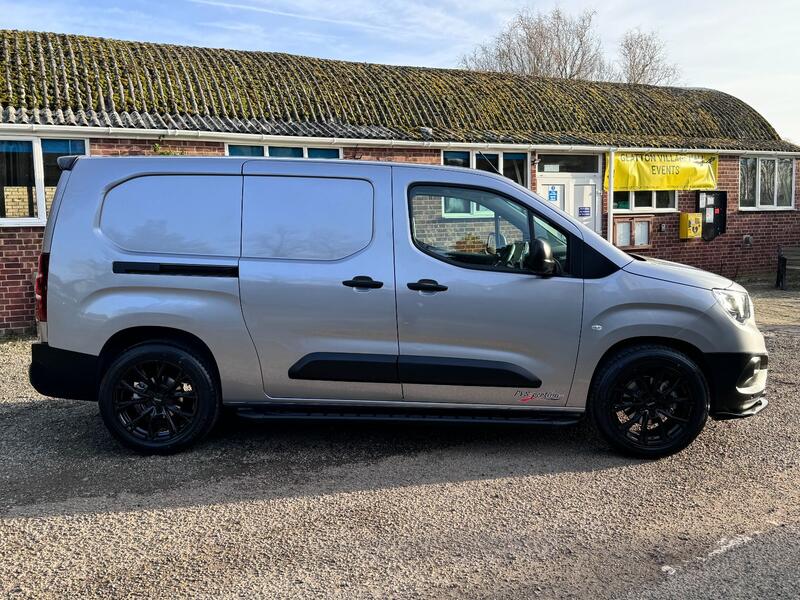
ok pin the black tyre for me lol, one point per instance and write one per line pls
(159, 398)
(649, 401)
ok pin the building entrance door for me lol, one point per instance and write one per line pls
(578, 195)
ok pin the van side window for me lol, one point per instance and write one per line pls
(494, 234)
(305, 218)
(175, 214)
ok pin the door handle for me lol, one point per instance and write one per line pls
(427, 285)
(363, 282)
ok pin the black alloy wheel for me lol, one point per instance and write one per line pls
(155, 400)
(159, 398)
(650, 401)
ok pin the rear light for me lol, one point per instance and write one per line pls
(40, 288)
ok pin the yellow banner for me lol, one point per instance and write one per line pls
(663, 171)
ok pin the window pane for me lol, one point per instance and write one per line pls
(487, 162)
(622, 200)
(500, 243)
(63, 147)
(323, 153)
(622, 229)
(479, 210)
(176, 214)
(785, 195)
(283, 152)
(291, 217)
(643, 199)
(747, 182)
(559, 243)
(18, 194)
(245, 150)
(642, 233)
(456, 159)
(514, 167)
(665, 199)
(456, 206)
(567, 163)
(766, 195)
(51, 151)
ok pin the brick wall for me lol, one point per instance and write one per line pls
(427, 156)
(19, 253)
(131, 147)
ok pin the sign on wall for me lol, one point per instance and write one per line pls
(663, 171)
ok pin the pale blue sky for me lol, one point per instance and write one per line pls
(748, 49)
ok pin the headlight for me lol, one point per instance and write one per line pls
(736, 304)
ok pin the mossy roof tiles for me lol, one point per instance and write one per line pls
(56, 79)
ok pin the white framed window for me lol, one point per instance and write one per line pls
(646, 201)
(568, 163)
(29, 174)
(766, 183)
(283, 151)
(458, 208)
(514, 165)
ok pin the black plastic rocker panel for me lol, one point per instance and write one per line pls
(427, 370)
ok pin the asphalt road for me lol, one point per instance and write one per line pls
(411, 511)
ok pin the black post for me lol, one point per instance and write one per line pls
(780, 282)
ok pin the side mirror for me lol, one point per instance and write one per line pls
(540, 258)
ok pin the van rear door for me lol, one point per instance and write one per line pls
(317, 279)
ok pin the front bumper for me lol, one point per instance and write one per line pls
(63, 373)
(738, 384)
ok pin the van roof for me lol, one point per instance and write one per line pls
(66, 163)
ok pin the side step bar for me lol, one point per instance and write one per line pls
(410, 415)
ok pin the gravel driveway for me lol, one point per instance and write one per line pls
(366, 510)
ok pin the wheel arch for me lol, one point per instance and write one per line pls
(682, 346)
(133, 336)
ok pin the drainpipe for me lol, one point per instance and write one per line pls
(611, 195)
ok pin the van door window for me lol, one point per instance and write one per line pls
(495, 232)
(306, 218)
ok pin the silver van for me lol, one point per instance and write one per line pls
(169, 288)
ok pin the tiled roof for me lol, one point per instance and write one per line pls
(54, 79)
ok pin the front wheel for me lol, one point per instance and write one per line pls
(157, 398)
(649, 401)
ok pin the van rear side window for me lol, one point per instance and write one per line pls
(306, 218)
(175, 214)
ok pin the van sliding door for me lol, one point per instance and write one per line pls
(317, 279)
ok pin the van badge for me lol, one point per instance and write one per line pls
(525, 396)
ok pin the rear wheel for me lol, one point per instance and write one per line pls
(159, 398)
(649, 401)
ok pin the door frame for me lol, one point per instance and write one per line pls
(569, 181)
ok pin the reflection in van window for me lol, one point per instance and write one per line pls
(175, 214)
(306, 218)
(477, 228)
